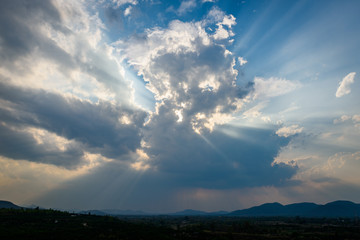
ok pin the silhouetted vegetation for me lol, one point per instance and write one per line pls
(52, 224)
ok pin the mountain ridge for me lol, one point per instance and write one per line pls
(339, 208)
(7, 204)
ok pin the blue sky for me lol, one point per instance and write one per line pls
(166, 105)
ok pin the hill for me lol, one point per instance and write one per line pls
(331, 210)
(7, 204)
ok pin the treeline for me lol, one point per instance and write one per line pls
(53, 224)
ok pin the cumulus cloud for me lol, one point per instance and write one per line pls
(188, 71)
(192, 76)
(289, 131)
(341, 166)
(344, 85)
(272, 87)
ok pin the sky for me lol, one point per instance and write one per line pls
(162, 106)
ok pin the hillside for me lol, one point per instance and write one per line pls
(331, 210)
(7, 204)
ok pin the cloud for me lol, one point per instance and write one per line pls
(346, 118)
(272, 87)
(344, 85)
(83, 126)
(187, 71)
(65, 101)
(356, 118)
(186, 6)
(343, 118)
(59, 46)
(192, 76)
(119, 3)
(22, 39)
(242, 61)
(341, 166)
(289, 131)
(127, 11)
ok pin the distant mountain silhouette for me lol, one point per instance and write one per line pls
(191, 212)
(188, 212)
(332, 209)
(124, 212)
(94, 212)
(114, 212)
(7, 204)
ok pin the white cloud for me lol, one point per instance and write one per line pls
(215, 15)
(356, 118)
(223, 33)
(254, 112)
(289, 131)
(346, 118)
(341, 165)
(204, 1)
(186, 6)
(242, 61)
(272, 87)
(119, 3)
(343, 118)
(188, 71)
(70, 57)
(344, 85)
(127, 11)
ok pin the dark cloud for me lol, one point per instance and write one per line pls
(23, 42)
(195, 75)
(96, 126)
(19, 30)
(215, 160)
(22, 145)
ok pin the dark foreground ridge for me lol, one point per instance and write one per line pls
(26, 224)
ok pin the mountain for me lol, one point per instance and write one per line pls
(124, 212)
(338, 209)
(114, 212)
(298, 209)
(267, 209)
(7, 204)
(188, 212)
(94, 212)
(191, 212)
(332, 209)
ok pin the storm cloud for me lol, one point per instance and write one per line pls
(105, 128)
